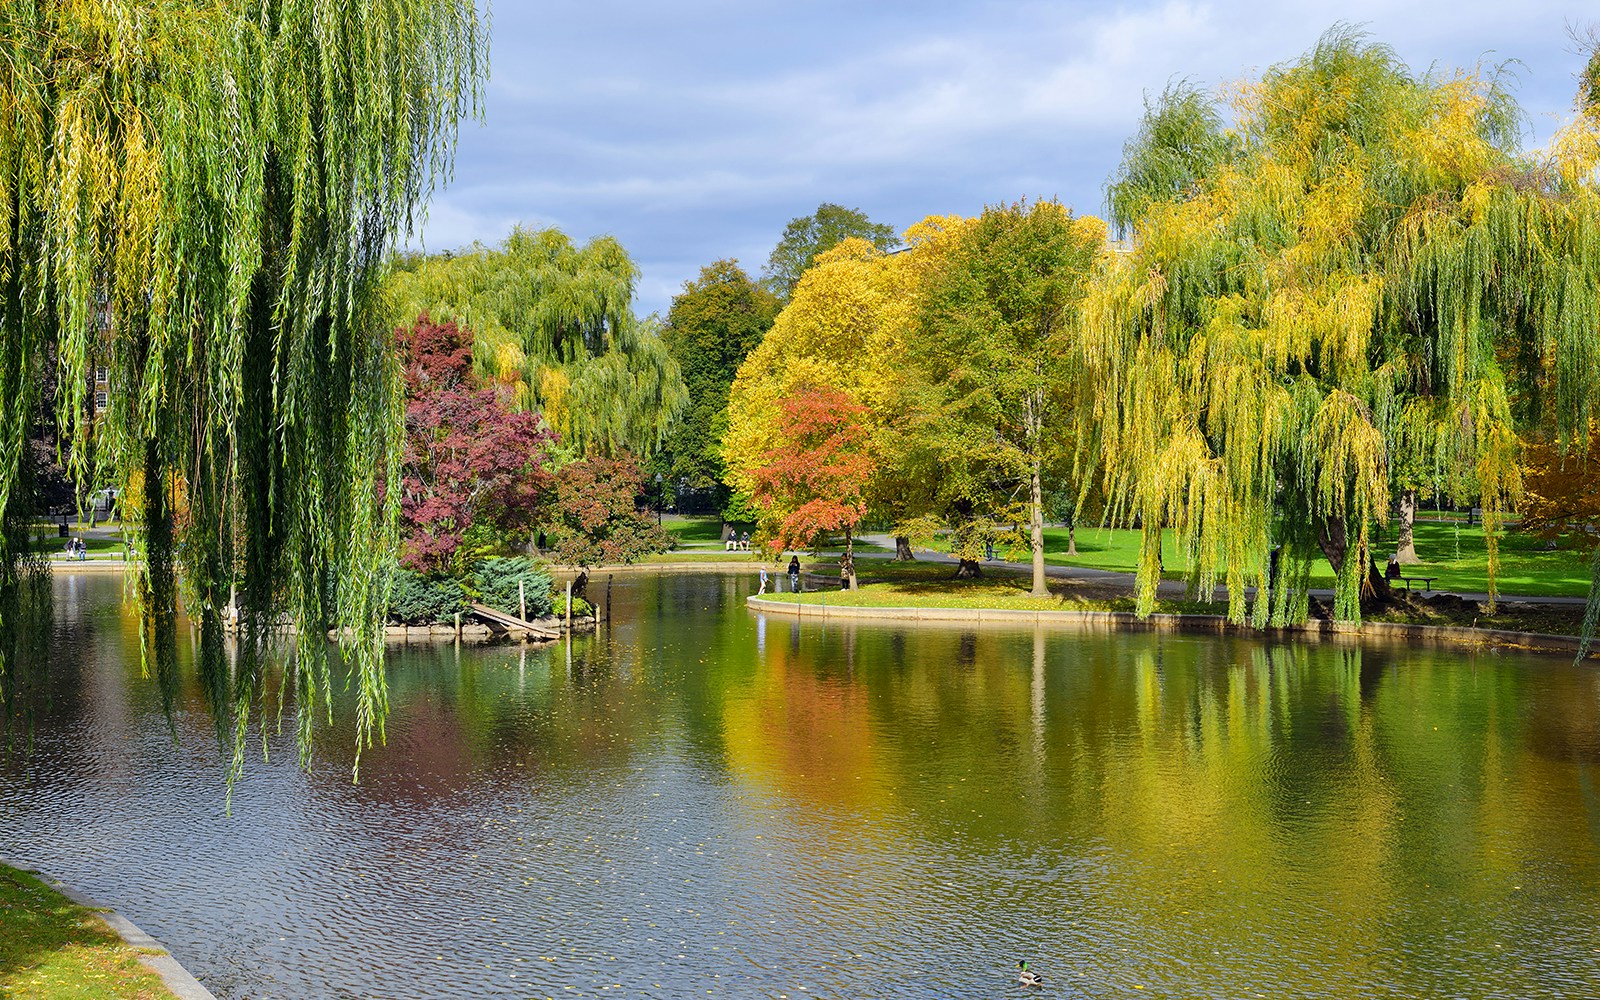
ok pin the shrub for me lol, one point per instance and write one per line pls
(580, 607)
(496, 581)
(417, 599)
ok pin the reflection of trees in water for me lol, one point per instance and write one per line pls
(1134, 774)
(967, 650)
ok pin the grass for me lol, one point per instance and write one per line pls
(687, 530)
(47, 540)
(52, 949)
(1453, 553)
(887, 584)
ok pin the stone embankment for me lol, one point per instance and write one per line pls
(1111, 621)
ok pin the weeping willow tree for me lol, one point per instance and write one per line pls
(555, 322)
(1363, 270)
(199, 195)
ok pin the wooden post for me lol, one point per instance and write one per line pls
(522, 600)
(608, 598)
(569, 605)
(458, 626)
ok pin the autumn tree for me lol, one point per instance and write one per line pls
(594, 519)
(713, 325)
(554, 322)
(1364, 265)
(814, 481)
(200, 195)
(473, 467)
(996, 341)
(847, 327)
(809, 235)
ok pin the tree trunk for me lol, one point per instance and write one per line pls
(1335, 544)
(847, 564)
(1036, 530)
(1332, 541)
(902, 549)
(1072, 537)
(1405, 552)
(969, 569)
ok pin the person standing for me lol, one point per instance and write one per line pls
(794, 573)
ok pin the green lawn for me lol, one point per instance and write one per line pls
(51, 949)
(1453, 553)
(98, 548)
(932, 585)
(687, 530)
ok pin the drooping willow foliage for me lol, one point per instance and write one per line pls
(1363, 271)
(555, 322)
(200, 195)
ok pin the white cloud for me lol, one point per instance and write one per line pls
(695, 131)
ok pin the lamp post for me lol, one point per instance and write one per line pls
(660, 500)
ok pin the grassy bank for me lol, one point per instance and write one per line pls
(52, 949)
(931, 585)
(1456, 555)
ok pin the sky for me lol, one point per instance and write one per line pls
(695, 130)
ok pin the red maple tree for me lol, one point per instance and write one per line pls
(471, 461)
(814, 482)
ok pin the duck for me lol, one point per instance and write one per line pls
(1027, 977)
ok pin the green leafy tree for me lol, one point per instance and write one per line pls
(200, 195)
(996, 344)
(1363, 291)
(714, 323)
(809, 235)
(554, 322)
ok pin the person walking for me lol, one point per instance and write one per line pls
(794, 573)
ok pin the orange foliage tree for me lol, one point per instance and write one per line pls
(814, 481)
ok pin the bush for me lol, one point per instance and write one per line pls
(422, 600)
(496, 581)
(580, 607)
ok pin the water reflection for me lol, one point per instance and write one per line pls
(700, 801)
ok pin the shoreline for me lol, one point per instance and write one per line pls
(1125, 621)
(149, 952)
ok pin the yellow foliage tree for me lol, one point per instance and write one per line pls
(845, 328)
(1362, 271)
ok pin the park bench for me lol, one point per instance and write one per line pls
(1426, 581)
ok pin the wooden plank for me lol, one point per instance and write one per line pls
(506, 621)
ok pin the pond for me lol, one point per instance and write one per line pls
(703, 802)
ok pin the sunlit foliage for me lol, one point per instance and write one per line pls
(554, 321)
(200, 195)
(1362, 270)
(713, 325)
(808, 236)
(813, 482)
(996, 349)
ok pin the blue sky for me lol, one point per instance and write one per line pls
(693, 131)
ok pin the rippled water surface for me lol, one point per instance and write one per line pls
(703, 803)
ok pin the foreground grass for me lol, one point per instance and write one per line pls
(51, 949)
